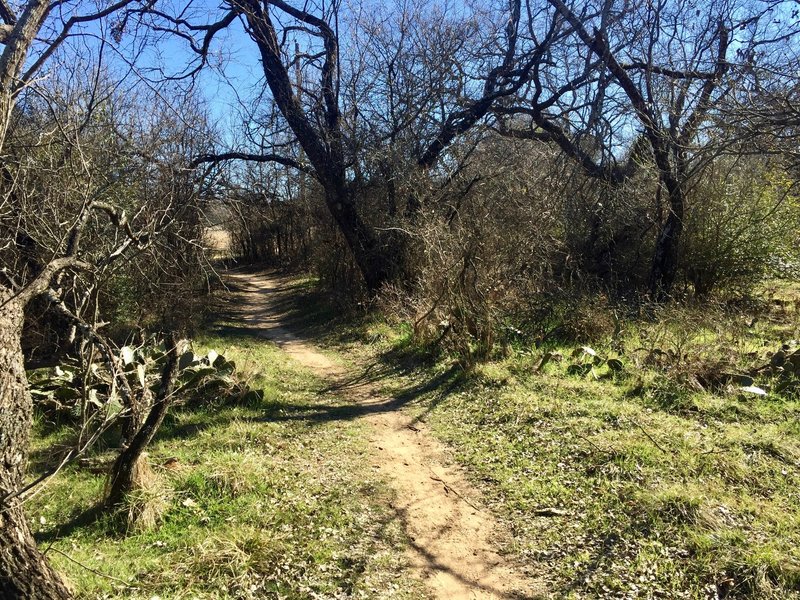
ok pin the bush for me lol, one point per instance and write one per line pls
(741, 226)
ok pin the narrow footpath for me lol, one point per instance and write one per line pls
(453, 540)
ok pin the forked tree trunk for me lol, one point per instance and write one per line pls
(124, 476)
(664, 267)
(24, 571)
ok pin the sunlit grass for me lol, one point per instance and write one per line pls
(256, 507)
(659, 488)
(616, 484)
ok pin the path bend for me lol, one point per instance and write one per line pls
(453, 540)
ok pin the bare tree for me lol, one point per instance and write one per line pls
(31, 39)
(658, 74)
(763, 113)
(324, 98)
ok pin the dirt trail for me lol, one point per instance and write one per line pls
(453, 540)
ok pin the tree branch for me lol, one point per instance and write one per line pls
(251, 157)
(42, 281)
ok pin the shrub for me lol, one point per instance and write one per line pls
(741, 226)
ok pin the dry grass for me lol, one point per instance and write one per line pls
(150, 499)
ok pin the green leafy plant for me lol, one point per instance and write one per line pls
(73, 388)
(741, 226)
(589, 362)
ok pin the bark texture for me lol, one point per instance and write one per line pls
(664, 268)
(18, 41)
(24, 572)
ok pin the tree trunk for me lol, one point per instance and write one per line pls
(24, 571)
(136, 404)
(665, 257)
(375, 262)
(124, 473)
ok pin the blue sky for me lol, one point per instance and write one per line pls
(234, 73)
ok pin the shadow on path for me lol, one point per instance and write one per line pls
(452, 539)
(368, 402)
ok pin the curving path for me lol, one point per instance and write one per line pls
(453, 540)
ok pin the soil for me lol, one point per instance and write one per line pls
(454, 541)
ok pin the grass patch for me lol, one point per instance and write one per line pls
(661, 489)
(655, 502)
(253, 507)
(616, 482)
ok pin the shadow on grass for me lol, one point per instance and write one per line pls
(188, 421)
(174, 429)
(83, 520)
(105, 521)
(374, 403)
(308, 311)
(595, 565)
(309, 314)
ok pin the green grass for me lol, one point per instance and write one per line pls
(256, 506)
(654, 500)
(666, 490)
(660, 489)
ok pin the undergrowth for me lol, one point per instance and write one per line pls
(634, 465)
(256, 505)
(649, 479)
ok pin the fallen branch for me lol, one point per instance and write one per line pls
(450, 488)
(88, 568)
(650, 437)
